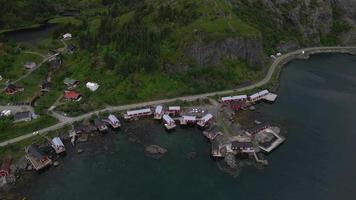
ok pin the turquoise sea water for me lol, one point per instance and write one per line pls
(316, 109)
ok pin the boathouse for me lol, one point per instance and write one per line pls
(72, 95)
(168, 122)
(58, 145)
(37, 158)
(137, 113)
(259, 95)
(230, 99)
(114, 121)
(5, 167)
(174, 110)
(202, 122)
(257, 129)
(158, 112)
(188, 120)
(100, 125)
(244, 147)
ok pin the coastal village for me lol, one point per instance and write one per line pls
(229, 142)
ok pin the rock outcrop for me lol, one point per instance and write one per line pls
(211, 54)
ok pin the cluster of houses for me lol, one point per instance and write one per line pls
(243, 101)
(261, 137)
(39, 159)
(169, 116)
(71, 95)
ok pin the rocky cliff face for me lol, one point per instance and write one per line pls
(212, 53)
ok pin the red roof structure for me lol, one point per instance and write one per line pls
(5, 167)
(72, 95)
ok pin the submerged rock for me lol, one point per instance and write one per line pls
(155, 149)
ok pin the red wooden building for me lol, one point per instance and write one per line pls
(72, 95)
(5, 167)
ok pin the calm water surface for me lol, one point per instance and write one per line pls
(316, 108)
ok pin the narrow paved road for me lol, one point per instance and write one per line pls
(278, 62)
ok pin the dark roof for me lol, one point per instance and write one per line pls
(35, 151)
(46, 84)
(22, 115)
(258, 128)
(69, 81)
(99, 123)
(238, 145)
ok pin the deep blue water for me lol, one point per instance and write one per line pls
(316, 110)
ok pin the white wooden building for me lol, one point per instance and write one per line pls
(169, 123)
(158, 112)
(137, 113)
(58, 145)
(204, 120)
(229, 99)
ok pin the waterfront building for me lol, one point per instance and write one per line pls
(158, 112)
(37, 158)
(137, 113)
(58, 145)
(242, 146)
(174, 110)
(185, 120)
(202, 122)
(230, 99)
(257, 129)
(168, 122)
(100, 125)
(258, 96)
(113, 121)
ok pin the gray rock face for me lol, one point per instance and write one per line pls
(212, 53)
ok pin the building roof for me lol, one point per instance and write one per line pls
(259, 94)
(22, 115)
(69, 81)
(238, 145)
(92, 86)
(234, 98)
(30, 64)
(113, 118)
(207, 117)
(174, 108)
(136, 112)
(159, 109)
(71, 95)
(168, 119)
(35, 151)
(189, 118)
(258, 128)
(56, 141)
